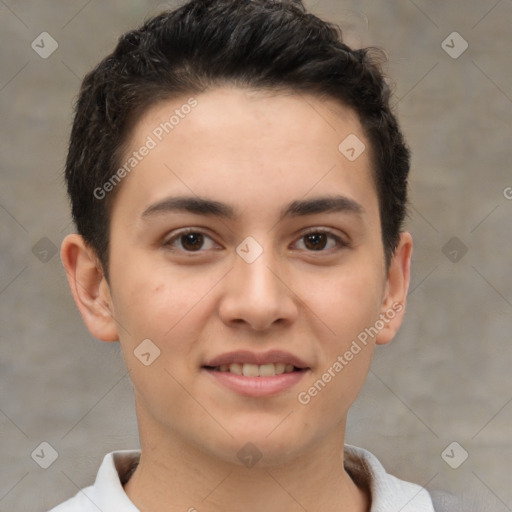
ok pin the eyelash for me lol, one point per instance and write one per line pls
(340, 243)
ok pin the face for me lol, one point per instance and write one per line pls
(245, 241)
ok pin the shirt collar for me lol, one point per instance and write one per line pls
(388, 493)
(111, 476)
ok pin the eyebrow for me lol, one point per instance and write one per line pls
(204, 206)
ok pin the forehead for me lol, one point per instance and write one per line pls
(242, 145)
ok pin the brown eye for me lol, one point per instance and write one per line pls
(321, 241)
(189, 241)
(315, 241)
(192, 241)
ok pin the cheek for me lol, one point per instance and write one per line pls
(162, 305)
(346, 303)
(159, 308)
(345, 300)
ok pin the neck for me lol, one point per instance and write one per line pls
(174, 476)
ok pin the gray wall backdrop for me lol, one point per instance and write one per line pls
(447, 376)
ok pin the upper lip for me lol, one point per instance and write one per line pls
(245, 356)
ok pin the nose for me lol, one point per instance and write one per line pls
(257, 296)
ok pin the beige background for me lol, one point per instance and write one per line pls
(445, 378)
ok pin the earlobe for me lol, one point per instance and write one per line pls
(89, 287)
(397, 286)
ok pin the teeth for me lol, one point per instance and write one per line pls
(235, 368)
(250, 370)
(267, 370)
(279, 368)
(254, 370)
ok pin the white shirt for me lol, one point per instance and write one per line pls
(388, 493)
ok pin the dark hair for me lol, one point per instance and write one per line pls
(261, 44)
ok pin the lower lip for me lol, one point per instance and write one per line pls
(257, 386)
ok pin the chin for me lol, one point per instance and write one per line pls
(267, 445)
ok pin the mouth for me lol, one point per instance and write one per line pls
(254, 364)
(257, 375)
(255, 370)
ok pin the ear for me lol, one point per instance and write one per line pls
(396, 288)
(89, 287)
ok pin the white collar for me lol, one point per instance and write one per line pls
(388, 493)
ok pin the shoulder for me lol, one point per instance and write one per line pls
(469, 500)
(107, 492)
(446, 502)
(79, 503)
(390, 493)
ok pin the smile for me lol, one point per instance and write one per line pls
(255, 370)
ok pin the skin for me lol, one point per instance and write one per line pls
(256, 152)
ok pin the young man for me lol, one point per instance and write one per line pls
(239, 185)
